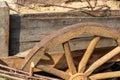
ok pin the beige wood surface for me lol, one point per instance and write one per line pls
(4, 29)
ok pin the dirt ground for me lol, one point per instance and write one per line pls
(70, 6)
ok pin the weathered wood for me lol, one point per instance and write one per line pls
(66, 34)
(87, 54)
(72, 14)
(75, 44)
(54, 71)
(105, 75)
(55, 59)
(4, 28)
(30, 30)
(31, 69)
(102, 60)
(69, 58)
(63, 35)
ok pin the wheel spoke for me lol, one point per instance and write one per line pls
(54, 71)
(69, 58)
(86, 56)
(105, 75)
(102, 60)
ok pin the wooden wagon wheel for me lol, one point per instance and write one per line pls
(62, 36)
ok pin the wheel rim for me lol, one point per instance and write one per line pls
(62, 37)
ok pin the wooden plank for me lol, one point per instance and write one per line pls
(43, 27)
(76, 14)
(26, 32)
(78, 43)
(4, 28)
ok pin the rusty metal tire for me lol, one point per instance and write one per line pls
(63, 36)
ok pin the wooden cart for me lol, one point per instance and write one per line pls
(83, 50)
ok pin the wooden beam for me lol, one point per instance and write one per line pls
(4, 29)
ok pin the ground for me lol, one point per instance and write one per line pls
(37, 8)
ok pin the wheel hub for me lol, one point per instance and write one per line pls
(79, 76)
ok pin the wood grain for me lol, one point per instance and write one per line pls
(27, 31)
(4, 29)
